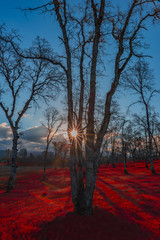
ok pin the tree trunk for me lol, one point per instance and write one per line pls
(82, 193)
(146, 146)
(150, 141)
(150, 155)
(124, 158)
(133, 156)
(156, 146)
(90, 182)
(146, 160)
(133, 161)
(73, 172)
(14, 158)
(80, 174)
(112, 155)
(125, 167)
(45, 162)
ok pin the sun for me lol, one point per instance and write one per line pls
(74, 133)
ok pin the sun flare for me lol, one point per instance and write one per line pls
(74, 133)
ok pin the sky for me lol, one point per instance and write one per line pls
(29, 26)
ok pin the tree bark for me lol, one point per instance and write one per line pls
(14, 158)
(150, 140)
(73, 172)
(124, 157)
(45, 162)
(91, 160)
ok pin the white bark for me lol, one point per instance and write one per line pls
(14, 157)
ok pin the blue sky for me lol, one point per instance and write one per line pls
(32, 24)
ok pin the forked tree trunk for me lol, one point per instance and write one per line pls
(82, 190)
(14, 158)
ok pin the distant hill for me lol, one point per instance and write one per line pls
(3, 153)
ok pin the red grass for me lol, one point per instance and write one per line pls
(126, 206)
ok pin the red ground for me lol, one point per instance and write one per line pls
(127, 207)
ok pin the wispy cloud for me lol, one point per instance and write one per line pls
(5, 131)
(34, 134)
(33, 139)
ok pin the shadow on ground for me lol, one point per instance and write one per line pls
(101, 226)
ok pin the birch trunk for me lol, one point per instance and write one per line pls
(133, 157)
(14, 158)
(73, 172)
(45, 162)
(112, 154)
(150, 140)
(124, 157)
(150, 155)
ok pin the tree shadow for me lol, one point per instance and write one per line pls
(140, 189)
(101, 225)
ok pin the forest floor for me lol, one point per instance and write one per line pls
(127, 207)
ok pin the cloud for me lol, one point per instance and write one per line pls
(34, 134)
(37, 134)
(59, 138)
(5, 136)
(33, 139)
(32, 146)
(5, 131)
(5, 144)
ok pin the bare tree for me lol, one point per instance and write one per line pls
(52, 118)
(91, 28)
(113, 131)
(141, 123)
(61, 149)
(139, 79)
(27, 81)
(124, 143)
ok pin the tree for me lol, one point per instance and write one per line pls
(22, 153)
(140, 122)
(86, 42)
(29, 80)
(113, 131)
(138, 79)
(124, 143)
(61, 149)
(52, 117)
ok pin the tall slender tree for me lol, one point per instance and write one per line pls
(139, 79)
(52, 118)
(19, 78)
(95, 22)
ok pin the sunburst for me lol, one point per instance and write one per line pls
(74, 133)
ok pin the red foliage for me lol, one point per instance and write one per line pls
(126, 206)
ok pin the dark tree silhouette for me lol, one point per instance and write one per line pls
(30, 80)
(139, 79)
(52, 118)
(95, 22)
